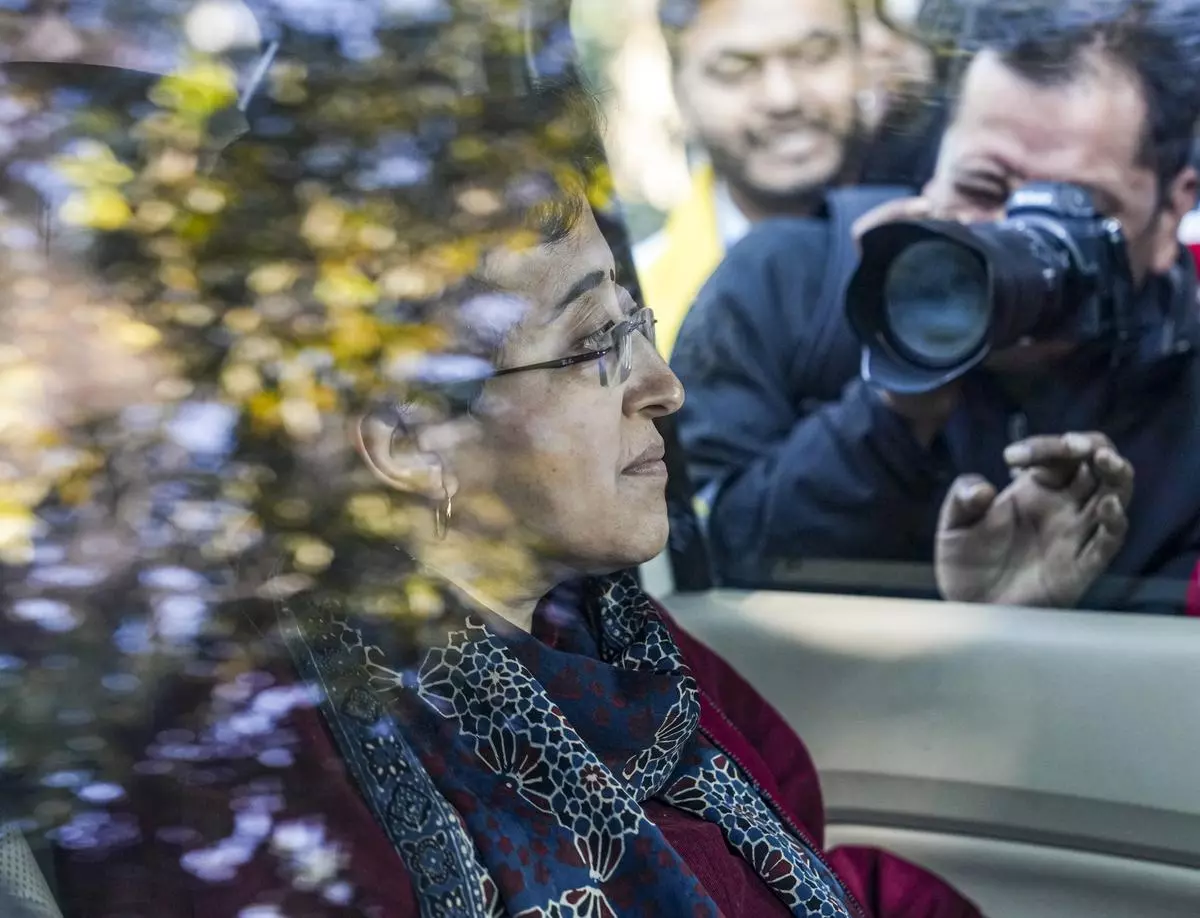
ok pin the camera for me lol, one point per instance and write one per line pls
(931, 299)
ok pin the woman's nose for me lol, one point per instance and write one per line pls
(652, 387)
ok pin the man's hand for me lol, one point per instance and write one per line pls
(914, 208)
(1046, 538)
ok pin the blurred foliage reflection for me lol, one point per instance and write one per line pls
(192, 317)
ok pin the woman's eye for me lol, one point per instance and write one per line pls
(602, 336)
(597, 339)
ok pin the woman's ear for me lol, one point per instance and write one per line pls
(391, 449)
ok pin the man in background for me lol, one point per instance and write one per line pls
(781, 99)
(800, 460)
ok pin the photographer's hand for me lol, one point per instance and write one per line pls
(914, 208)
(1048, 536)
(1056, 460)
(917, 207)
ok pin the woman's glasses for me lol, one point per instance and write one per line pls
(458, 386)
(614, 357)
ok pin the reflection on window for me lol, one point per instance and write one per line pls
(336, 414)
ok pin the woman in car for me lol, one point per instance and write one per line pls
(560, 747)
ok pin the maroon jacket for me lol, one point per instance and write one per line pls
(206, 848)
(732, 713)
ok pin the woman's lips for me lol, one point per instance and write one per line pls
(652, 468)
(648, 462)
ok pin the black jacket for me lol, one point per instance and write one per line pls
(810, 480)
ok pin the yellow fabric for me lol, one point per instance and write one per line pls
(691, 253)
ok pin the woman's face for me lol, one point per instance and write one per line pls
(579, 464)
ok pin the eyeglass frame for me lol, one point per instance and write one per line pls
(641, 320)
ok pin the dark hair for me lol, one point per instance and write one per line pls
(677, 16)
(1047, 42)
(546, 200)
(551, 200)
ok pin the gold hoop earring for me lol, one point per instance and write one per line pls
(441, 517)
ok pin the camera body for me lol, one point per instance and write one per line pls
(932, 299)
(1062, 225)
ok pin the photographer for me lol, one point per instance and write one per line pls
(798, 458)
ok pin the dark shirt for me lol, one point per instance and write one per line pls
(801, 463)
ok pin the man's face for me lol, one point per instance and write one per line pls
(769, 88)
(1008, 131)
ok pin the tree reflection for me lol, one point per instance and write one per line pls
(184, 338)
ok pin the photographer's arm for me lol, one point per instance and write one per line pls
(848, 482)
(796, 474)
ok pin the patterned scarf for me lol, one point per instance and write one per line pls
(509, 771)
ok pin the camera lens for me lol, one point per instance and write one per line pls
(937, 303)
(931, 299)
